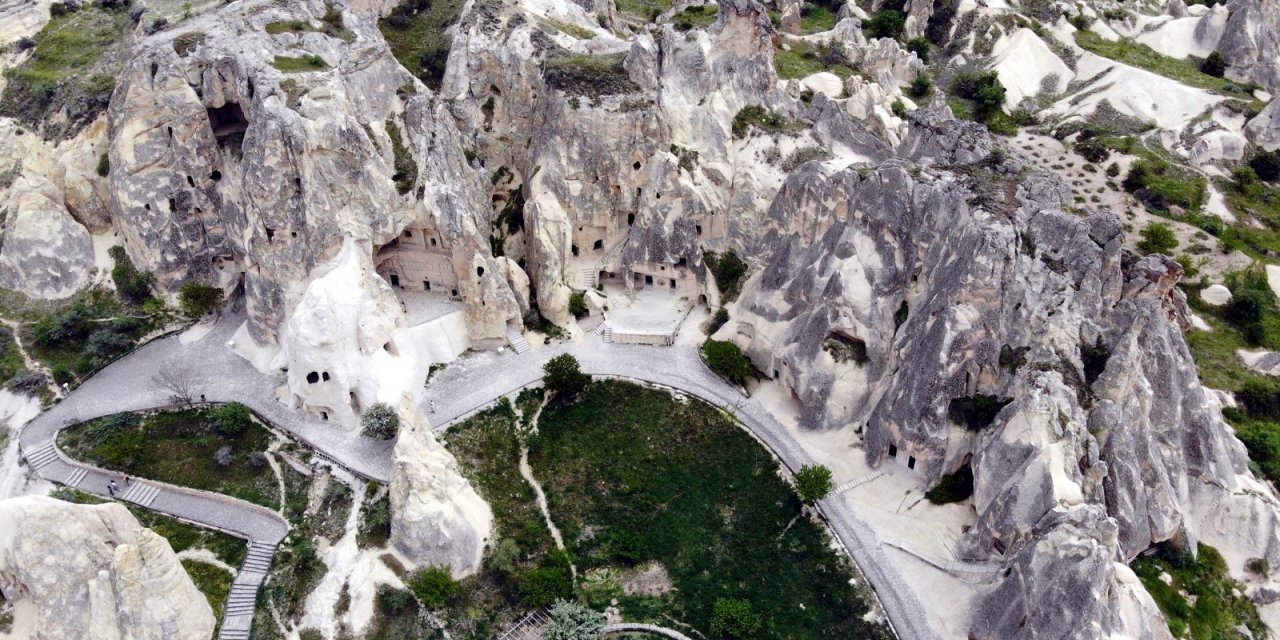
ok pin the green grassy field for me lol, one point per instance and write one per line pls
(1209, 610)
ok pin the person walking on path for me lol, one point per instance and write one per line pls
(126, 481)
(111, 488)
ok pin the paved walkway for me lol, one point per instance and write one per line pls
(471, 384)
(653, 629)
(221, 376)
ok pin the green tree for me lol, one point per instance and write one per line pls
(727, 361)
(433, 586)
(564, 377)
(232, 419)
(920, 46)
(813, 483)
(197, 299)
(578, 304)
(133, 286)
(572, 621)
(1214, 65)
(1157, 237)
(380, 422)
(734, 619)
(886, 24)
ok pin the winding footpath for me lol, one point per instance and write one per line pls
(464, 388)
(470, 385)
(220, 376)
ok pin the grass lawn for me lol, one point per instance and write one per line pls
(10, 357)
(1211, 611)
(633, 477)
(178, 447)
(303, 64)
(1143, 57)
(642, 11)
(213, 581)
(802, 60)
(816, 19)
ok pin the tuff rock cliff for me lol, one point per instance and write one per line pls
(81, 571)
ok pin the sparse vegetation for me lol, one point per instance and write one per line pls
(1201, 602)
(952, 487)
(1160, 185)
(977, 412)
(1144, 57)
(587, 75)
(760, 118)
(728, 270)
(406, 168)
(803, 59)
(696, 17)
(415, 31)
(302, 64)
(212, 581)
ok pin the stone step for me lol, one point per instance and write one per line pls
(517, 341)
(141, 493)
(77, 477)
(589, 277)
(234, 634)
(42, 456)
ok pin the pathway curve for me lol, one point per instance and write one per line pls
(468, 386)
(221, 376)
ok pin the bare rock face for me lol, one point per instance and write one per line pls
(237, 162)
(85, 571)
(1251, 43)
(45, 253)
(437, 518)
(961, 281)
(1264, 129)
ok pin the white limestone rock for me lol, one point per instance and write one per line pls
(46, 253)
(82, 571)
(437, 518)
(1216, 295)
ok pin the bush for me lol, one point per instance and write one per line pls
(734, 619)
(104, 166)
(197, 299)
(505, 556)
(232, 419)
(728, 271)
(380, 422)
(578, 304)
(921, 86)
(572, 621)
(1157, 237)
(886, 24)
(1266, 165)
(1244, 177)
(433, 586)
(1159, 186)
(564, 377)
(984, 89)
(27, 381)
(920, 46)
(1258, 566)
(1214, 65)
(953, 487)
(727, 361)
(223, 456)
(813, 483)
(1260, 398)
(104, 345)
(718, 320)
(548, 583)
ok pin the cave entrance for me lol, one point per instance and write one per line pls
(228, 123)
(395, 281)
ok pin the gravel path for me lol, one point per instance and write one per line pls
(469, 385)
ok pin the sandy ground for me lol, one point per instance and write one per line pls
(15, 412)
(649, 310)
(894, 506)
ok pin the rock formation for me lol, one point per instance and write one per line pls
(80, 571)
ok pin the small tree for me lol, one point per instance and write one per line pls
(886, 24)
(1214, 65)
(1157, 237)
(380, 422)
(177, 381)
(433, 586)
(232, 419)
(920, 46)
(198, 299)
(727, 361)
(578, 304)
(572, 621)
(813, 483)
(734, 619)
(564, 377)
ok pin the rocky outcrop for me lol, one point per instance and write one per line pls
(85, 571)
(45, 252)
(1264, 129)
(437, 518)
(1251, 43)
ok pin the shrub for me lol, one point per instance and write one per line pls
(1260, 398)
(564, 377)
(133, 286)
(1157, 237)
(813, 483)
(433, 586)
(1094, 360)
(1160, 186)
(197, 299)
(975, 413)
(63, 375)
(578, 304)
(548, 583)
(232, 419)
(104, 165)
(104, 345)
(1244, 177)
(718, 320)
(223, 456)
(572, 621)
(899, 109)
(1081, 22)
(984, 89)
(920, 46)
(505, 556)
(953, 487)
(734, 619)
(886, 24)
(27, 381)
(1258, 566)
(1214, 65)
(727, 361)
(258, 460)
(1266, 165)
(921, 86)
(728, 271)
(380, 422)
(1092, 148)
